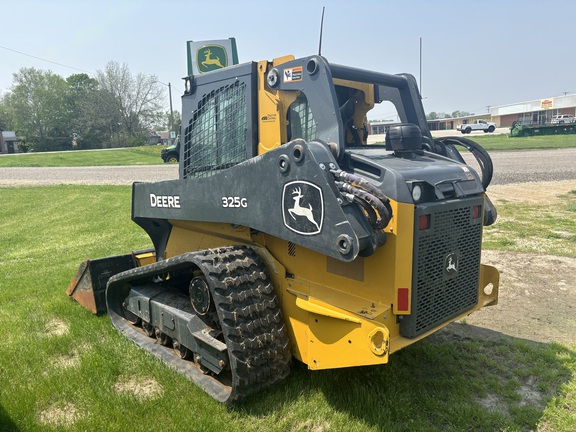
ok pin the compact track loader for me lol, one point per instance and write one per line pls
(287, 235)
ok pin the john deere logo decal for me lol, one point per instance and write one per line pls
(451, 265)
(211, 57)
(302, 207)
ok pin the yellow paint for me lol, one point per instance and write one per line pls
(189, 236)
(272, 109)
(364, 102)
(327, 337)
(319, 308)
(145, 258)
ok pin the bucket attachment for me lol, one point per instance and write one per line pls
(88, 286)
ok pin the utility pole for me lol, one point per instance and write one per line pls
(171, 112)
(169, 85)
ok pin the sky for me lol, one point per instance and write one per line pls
(467, 55)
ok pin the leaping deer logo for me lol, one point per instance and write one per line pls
(298, 210)
(451, 265)
(208, 61)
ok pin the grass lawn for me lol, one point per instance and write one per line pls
(516, 230)
(504, 142)
(62, 368)
(147, 155)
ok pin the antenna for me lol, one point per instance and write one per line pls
(321, 28)
(420, 67)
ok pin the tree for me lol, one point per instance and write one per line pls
(457, 114)
(137, 100)
(165, 123)
(38, 109)
(177, 121)
(4, 120)
(87, 128)
(52, 113)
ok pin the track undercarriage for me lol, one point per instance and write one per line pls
(211, 315)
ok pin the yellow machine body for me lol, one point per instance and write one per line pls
(338, 314)
(342, 294)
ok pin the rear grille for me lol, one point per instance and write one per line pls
(446, 265)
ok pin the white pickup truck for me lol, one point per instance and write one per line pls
(477, 125)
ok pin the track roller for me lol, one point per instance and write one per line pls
(219, 324)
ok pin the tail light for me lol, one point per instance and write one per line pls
(476, 211)
(424, 222)
(403, 297)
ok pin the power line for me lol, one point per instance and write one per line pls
(43, 59)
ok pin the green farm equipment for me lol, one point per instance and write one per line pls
(523, 130)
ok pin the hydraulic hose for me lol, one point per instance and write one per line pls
(484, 160)
(363, 193)
(362, 183)
(477, 151)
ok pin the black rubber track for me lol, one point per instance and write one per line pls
(248, 312)
(250, 319)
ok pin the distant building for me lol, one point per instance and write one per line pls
(534, 112)
(538, 111)
(378, 127)
(8, 142)
(163, 137)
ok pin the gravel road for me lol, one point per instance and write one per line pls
(509, 167)
(533, 166)
(112, 175)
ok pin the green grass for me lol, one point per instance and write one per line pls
(61, 367)
(542, 229)
(148, 155)
(504, 142)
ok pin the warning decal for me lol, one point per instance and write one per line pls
(466, 170)
(293, 74)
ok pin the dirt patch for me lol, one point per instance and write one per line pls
(532, 193)
(56, 327)
(537, 297)
(67, 361)
(141, 388)
(311, 426)
(59, 416)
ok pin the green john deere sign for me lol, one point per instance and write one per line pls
(206, 56)
(211, 57)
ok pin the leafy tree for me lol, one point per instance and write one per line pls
(87, 129)
(177, 121)
(114, 109)
(437, 115)
(165, 123)
(4, 120)
(38, 109)
(458, 113)
(441, 115)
